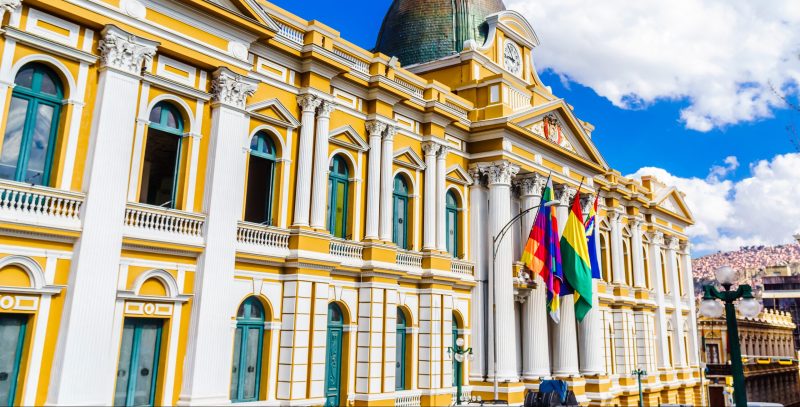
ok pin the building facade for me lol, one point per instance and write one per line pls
(782, 292)
(770, 360)
(214, 201)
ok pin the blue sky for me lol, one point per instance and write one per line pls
(673, 97)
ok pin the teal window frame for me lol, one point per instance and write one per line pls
(23, 320)
(35, 97)
(400, 369)
(457, 373)
(134, 357)
(162, 125)
(339, 175)
(400, 198)
(452, 210)
(335, 327)
(263, 147)
(244, 324)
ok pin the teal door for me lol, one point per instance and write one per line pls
(247, 344)
(338, 186)
(12, 338)
(138, 362)
(456, 365)
(400, 223)
(400, 360)
(451, 222)
(333, 360)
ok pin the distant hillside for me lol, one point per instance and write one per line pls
(749, 259)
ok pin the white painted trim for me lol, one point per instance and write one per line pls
(285, 184)
(359, 145)
(54, 63)
(163, 276)
(30, 266)
(37, 351)
(138, 143)
(275, 135)
(73, 129)
(194, 158)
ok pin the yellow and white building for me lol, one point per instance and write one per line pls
(215, 201)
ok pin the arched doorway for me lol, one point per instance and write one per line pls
(457, 373)
(333, 359)
(247, 351)
(400, 360)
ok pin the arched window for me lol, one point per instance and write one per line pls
(32, 126)
(604, 259)
(451, 216)
(260, 180)
(162, 157)
(400, 207)
(338, 190)
(247, 346)
(400, 359)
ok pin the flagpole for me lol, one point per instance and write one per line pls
(496, 240)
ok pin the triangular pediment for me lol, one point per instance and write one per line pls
(459, 175)
(348, 137)
(248, 8)
(556, 124)
(671, 200)
(273, 111)
(408, 158)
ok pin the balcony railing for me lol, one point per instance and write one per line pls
(168, 225)
(349, 253)
(259, 239)
(407, 398)
(354, 62)
(41, 206)
(462, 267)
(292, 34)
(409, 259)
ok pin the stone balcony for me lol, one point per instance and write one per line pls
(262, 240)
(152, 223)
(31, 205)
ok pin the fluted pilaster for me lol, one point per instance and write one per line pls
(441, 193)
(617, 267)
(430, 149)
(387, 180)
(375, 130)
(302, 203)
(636, 251)
(319, 193)
(479, 246)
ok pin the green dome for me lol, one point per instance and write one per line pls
(418, 31)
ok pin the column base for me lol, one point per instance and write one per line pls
(511, 392)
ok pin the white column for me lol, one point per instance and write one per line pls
(319, 193)
(535, 360)
(564, 336)
(501, 286)
(672, 270)
(617, 268)
(656, 241)
(441, 193)
(375, 129)
(207, 364)
(590, 330)
(636, 251)
(686, 259)
(429, 216)
(82, 357)
(309, 104)
(478, 250)
(387, 183)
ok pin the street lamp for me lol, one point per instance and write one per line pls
(748, 306)
(459, 354)
(639, 373)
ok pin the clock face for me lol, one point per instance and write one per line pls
(513, 60)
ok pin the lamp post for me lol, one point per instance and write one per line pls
(496, 240)
(639, 373)
(748, 306)
(459, 353)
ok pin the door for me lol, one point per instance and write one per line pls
(333, 360)
(12, 338)
(456, 365)
(137, 371)
(400, 359)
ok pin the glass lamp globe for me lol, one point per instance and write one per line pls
(460, 342)
(749, 307)
(470, 355)
(711, 308)
(725, 275)
(459, 357)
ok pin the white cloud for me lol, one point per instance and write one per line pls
(720, 56)
(763, 208)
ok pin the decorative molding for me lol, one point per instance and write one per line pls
(531, 185)
(308, 102)
(231, 89)
(375, 127)
(8, 6)
(325, 108)
(656, 238)
(672, 242)
(415, 161)
(125, 52)
(565, 193)
(356, 141)
(431, 148)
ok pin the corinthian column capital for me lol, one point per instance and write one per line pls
(390, 132)
(124, 51)
(375, 128)
(308, 102)
(431, 148)
(532, 185)
(673, 243)
(501, 172)
(656, 238)
(231, 89)
(565, 194)
(8, 6)
(325, 108)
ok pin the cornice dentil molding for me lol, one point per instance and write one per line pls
(231, 89)
(124, 51)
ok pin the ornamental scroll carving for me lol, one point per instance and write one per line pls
(431, 148)
(231, 89)
(125, 52)
(8, 6)
(565, 194)
(531, 185)
(308, 102)
(375, 128)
